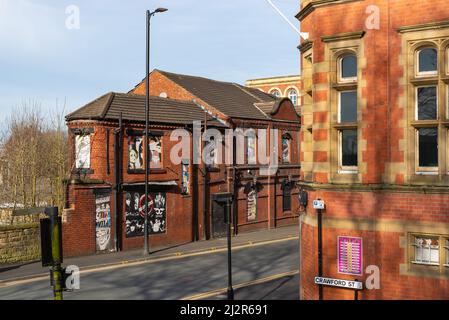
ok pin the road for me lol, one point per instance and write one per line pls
(181, 278)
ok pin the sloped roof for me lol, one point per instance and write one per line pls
(231, 99)
(272, 107)
(266, 107)
(132, 108)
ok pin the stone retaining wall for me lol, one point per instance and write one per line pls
(19, 243)
(7, 218)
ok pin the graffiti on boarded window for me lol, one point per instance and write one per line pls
(286, 143)
(82, 151)
(251, 149)
(155, 152)
(135, 213)
(135, 153)
(103, 222)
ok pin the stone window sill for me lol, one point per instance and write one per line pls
(342, 171)
(426, 173)
(425, 263)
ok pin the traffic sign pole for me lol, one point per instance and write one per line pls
(56, 252)
(320, 252)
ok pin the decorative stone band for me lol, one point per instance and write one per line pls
(387, 188)
(425, 26)
(310, 7)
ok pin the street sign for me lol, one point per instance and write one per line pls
(355, 285)
(318, 204)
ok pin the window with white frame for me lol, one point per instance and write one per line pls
(427, 117)
(348, 150)
(293, 96)
(427, 62)
(426, 250)
(82, 151)
(347, 106)
(427, 103)
(347, 68)
(427, 149)
(348, 138)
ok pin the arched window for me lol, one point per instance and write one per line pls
(276, 93)
(427, 63)
(293, 96)
(348, 68)
(286, 195)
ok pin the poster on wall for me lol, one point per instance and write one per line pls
(350, 255)
(252, 205)
(135, 153)
(103, 223)
(135, 213)
(185, 187)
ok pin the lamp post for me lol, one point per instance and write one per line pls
(146, 250)
(230, 291)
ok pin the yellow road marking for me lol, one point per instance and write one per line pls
(125, 264)
(213, 293)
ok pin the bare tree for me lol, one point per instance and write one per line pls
(33, 153)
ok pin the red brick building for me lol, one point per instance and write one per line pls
(106, 198)
(374, 145)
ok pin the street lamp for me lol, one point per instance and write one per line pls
(146, 250)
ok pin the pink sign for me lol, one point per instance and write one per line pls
(350, 255)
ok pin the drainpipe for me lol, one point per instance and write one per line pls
(300, 252)
(205, 183)
(235, 184)
(193, 183)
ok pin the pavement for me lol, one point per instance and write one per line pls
(25, 271)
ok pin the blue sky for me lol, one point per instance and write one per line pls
(43, 61)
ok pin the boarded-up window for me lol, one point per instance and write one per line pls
(135, 213)
(251, 148)
(82, 151)
(136, 153)
(286, 148)
(155, 152)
